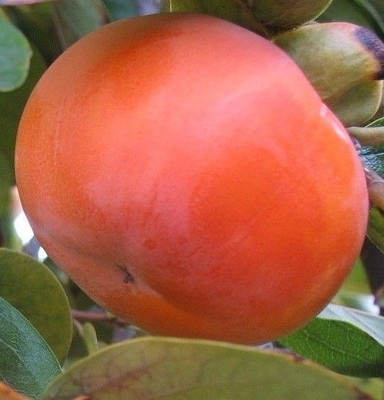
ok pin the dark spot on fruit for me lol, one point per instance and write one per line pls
(128, 277)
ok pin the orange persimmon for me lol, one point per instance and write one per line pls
(185, 174)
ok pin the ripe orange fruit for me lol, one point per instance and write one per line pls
(187, 176)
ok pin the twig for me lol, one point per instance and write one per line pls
(97, 316)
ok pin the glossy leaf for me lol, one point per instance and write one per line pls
(371, 324)
(76, 18)
(345, 340)
(27, 363)
(33, 289)
(173, 369)
(15, 55)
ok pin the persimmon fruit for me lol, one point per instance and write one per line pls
(185, 174)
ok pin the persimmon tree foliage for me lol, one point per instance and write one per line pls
(270, 285)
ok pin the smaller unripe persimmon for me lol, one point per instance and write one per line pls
(186, 175)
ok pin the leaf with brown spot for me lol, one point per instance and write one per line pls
(176, 369)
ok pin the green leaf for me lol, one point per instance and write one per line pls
(176, 369)
(288, 13)
(359, 104)
(378, 6)
(360, 12)
(255, 15)
(345, 340)
(11, 108)
(37, 24)
(369, 323)
(5, 201)
(5, 184)
(356, 291)
(378, 123)
(119, 9)
(6, 221)
(357, 280)
(26, 363)
(15, 55)
(235, 11)
(76, 18)
(89, 336)
(33, 289)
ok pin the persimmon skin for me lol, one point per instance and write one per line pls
(186, 175)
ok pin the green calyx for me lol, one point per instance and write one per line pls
(344, 62)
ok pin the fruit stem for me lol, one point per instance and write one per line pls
(98, 316)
